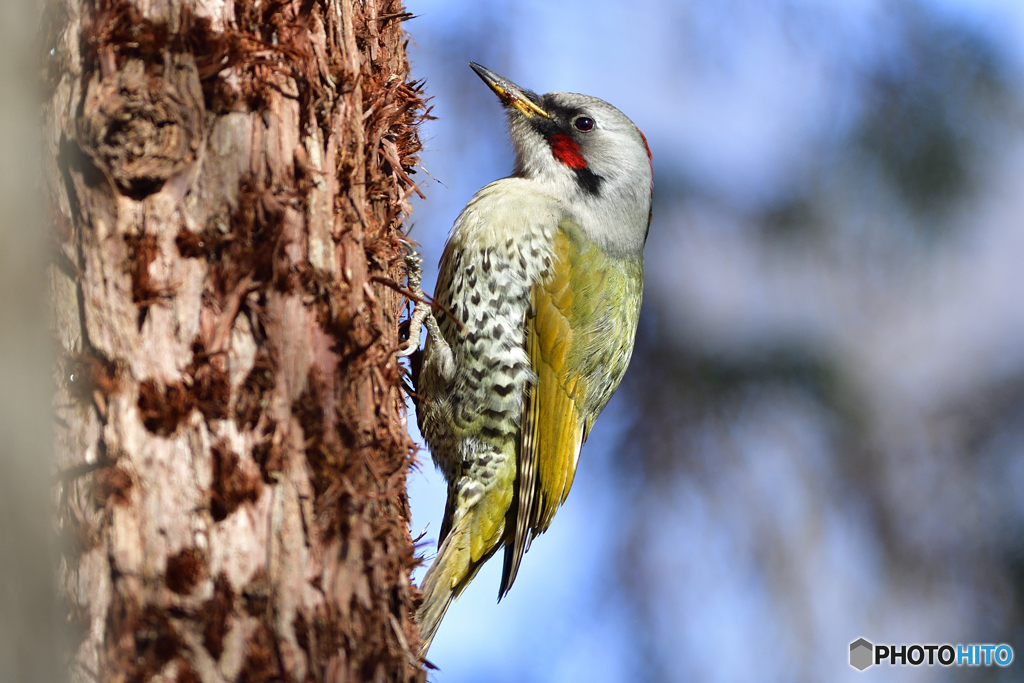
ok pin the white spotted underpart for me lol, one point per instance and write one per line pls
(499, 247)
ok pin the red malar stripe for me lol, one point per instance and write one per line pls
(565, 149)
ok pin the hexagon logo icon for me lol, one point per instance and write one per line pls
(861, 652)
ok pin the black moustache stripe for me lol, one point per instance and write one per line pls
(589, 181)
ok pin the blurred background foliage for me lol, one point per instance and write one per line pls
(821, 436)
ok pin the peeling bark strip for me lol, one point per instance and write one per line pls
(227, 183)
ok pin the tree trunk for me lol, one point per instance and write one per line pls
(227, 183)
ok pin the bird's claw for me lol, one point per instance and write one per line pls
(420, 310)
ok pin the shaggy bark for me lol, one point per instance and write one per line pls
(227, 183)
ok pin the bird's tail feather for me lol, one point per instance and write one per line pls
(452, 570)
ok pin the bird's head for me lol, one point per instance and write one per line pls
(584, 152)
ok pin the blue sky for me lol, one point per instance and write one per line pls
(746, 105)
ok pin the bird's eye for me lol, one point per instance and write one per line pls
(583, 123)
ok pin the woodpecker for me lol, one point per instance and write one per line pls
(531, 328)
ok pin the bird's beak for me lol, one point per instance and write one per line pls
(510, 93)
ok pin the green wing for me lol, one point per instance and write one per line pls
(579, 339)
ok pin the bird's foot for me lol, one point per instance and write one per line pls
(421, 309)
